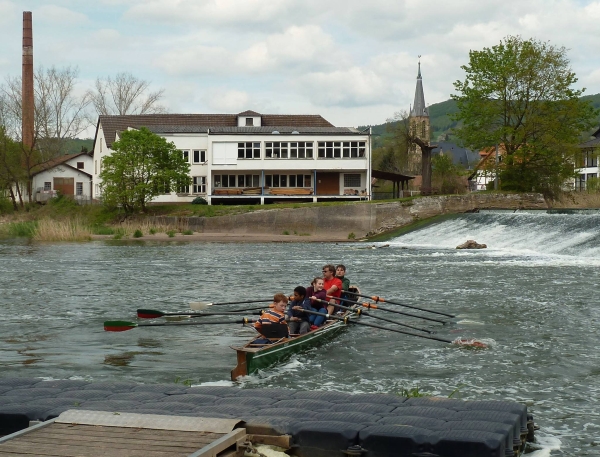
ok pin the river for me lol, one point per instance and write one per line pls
(532, 295)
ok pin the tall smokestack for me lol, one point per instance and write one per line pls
(27, 77)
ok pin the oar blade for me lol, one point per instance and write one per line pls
(149, 313)
(118, 326)
(199, 305)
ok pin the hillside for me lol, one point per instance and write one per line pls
(442, 125)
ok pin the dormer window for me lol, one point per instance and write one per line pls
(249, 122)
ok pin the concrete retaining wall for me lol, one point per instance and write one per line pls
(361, 218)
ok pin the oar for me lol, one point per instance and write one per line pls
(121, 326)
(370, 305)
(154, 314)
(199, 305)
(377, 299)
(364, 313)
(349, 321)
(458, 341)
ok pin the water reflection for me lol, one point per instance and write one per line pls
(149, 343)
(119, 360)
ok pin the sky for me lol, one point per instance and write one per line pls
(352, 61)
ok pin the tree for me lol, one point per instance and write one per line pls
(142, 166)
(125, 94)
(59, 115)
(395, 155)
(518, 94)
(446, 175)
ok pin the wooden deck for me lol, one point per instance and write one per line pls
(90, 433)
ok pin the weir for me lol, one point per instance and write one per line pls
(562, 233)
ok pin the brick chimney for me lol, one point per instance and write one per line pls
(27, 78)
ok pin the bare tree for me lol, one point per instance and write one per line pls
(125, 94)
(59, 115)
(403, 142)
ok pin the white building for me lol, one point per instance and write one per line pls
(252, 157)
(589, 161)
(68, 175)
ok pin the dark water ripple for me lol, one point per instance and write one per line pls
(540, 314)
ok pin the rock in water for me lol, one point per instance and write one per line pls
(471, 244)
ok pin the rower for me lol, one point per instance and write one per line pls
(299, 321)
(332, 285)
(271, 316)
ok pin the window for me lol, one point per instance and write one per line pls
(237, 181)
(341, 149)
(186, 155)
(199, 185)
(276, 150)
(352, 180)
(198, 156)
(292, 150)
(47, 186)
(249, 150)
(288, 180)
(590, 159)
(80, 165)
(249, 122)
(78, 188)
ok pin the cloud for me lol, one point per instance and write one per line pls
(348, 88)
(7, 11)
(295, 49)
(229, 13)
(58, 15)
(225, 100)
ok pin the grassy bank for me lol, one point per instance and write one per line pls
(64, 220)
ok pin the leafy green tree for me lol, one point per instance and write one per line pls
(142, 166)
(519, 94)
(446, 175)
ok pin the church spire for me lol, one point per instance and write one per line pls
(419, 108)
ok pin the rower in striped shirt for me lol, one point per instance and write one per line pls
(275, 315)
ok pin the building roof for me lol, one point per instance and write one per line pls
(116, 123)
(594, 142)
(419, 109)
(463, 156)
(249, 113)
(60, 160)
(284, 130)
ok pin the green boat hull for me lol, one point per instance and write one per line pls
(271, 355)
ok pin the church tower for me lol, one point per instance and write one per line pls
(418, 124)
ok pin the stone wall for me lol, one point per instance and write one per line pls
(361, 218)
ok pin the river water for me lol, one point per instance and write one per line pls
(532, 295)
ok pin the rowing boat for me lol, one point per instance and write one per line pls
(251, 358)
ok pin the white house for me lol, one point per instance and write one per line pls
(252, 157)
(68, 175)
(589, 161)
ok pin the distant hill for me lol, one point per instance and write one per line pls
(442, 125)
(74, 145)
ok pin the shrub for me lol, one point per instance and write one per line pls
(171, 233)
(6, 206)
(138, 234)
(152, 231)
(188, 232)
(285, 232)
(22, 229)
(102, 230)
(199, 201)
(351, 236)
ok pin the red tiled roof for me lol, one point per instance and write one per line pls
(54, 162)
(113, 124)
